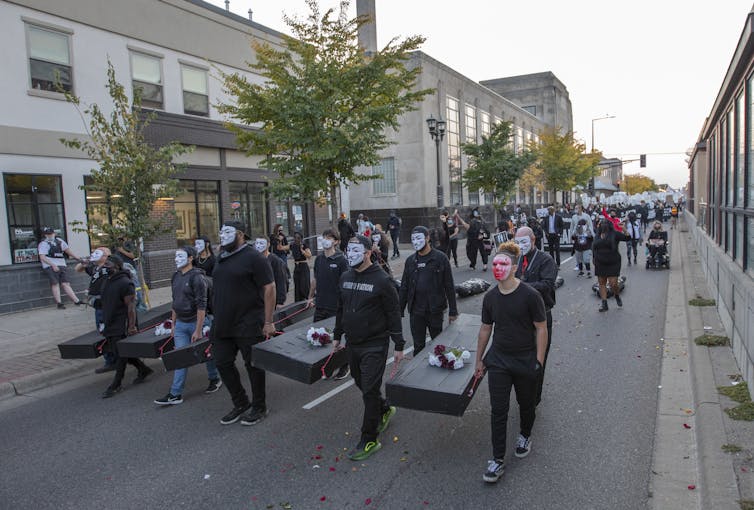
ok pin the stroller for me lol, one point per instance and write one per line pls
(658, 256)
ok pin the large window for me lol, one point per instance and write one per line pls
(470, 122)
(385, 184)
(453, 134)
(248, 204)
(33, 202)
(730, 190)
(49, 59)
(750, 162)
(146, 73)
(197, 209)
(484, 121)
(740, 148)
(195, 90)
(749, 236)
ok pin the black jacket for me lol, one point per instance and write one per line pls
(279, 271)
(368, 309)
(540, 273)
(444, 289)
(114, 310)
(189, 294)
(558, 226)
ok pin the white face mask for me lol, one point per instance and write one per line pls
(418, 241)
(355, 254)
(476, 214)
(227, 235)
(181, 259)
(327, 243)
(524, 243)
(260, 244)
(376, 239)
(199, 245)
(50, 237)
(96, 255)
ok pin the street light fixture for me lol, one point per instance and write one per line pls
(437, 132)
(607, 116)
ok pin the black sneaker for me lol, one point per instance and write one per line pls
(110, 391)
(603, 306)
(588, 274)
(143, 376)
(254, 416)
(214, 385)
(169, 400)
(618, 301)
(581, 273)
(234, 415)
(342, 373)
(495, 469)
(61, 306)
(523, 446)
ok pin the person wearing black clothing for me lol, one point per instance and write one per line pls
(516, 356)
(475, 231)
(95, 268)
(444, 241)
(119, 320)
(607, 261)
(452, 240)
(633, 229)
(345, 230)
(539, 271)
(301, 276)
(552, 224)
(205, 259)
(369, 315)
(427, 288)
(243, 300)
(394, 227)
(380, 251)
(536, 228)
(279, 271)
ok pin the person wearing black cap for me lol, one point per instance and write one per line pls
(427, 288)
(243, 300)
(369, 315)
(52, 251)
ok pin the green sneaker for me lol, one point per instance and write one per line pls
(385, 421)
(364, 449)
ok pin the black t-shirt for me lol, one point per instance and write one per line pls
(297, 250)
(327, 272)
(277, 240)
(425, 284)
(114, 310)
(97, 277)
(208, 264)
(514, 316)
(238, 293)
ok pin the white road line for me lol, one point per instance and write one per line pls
(566, 260)
(314, 403)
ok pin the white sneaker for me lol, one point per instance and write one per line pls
(495, 469)
(523, 446)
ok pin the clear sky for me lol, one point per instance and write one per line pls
(656, 65)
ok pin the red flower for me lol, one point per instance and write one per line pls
(451, 363)
(439, 350)
(315, 335)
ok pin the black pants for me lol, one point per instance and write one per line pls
(120, 364)
(472, 247)
(541, 375)
(367, 368)
(553, 247)
(631, 246)
(301, 281)
(225, 351)
(453, 250)
(420, 323)
(394, 237)
(515, 371)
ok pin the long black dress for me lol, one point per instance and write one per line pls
(605, 253)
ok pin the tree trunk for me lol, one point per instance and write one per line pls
(334, 204)
(140, 272)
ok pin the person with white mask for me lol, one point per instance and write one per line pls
(537, 269)
(205, 259)
(279, 270)
(243, 301)
(189, 317)
(427, 288)
(95, 268)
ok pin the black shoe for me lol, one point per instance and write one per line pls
(342, 373)
(106, 368)
(618, 301)
(110, 391)
(581, 273)
(523, 446)
(143, 375)
(214, 385)
(495, 469)
(634, 260)
(61, 306)
(169, 400)
(629, 262)
(78, 303)
(234, 415)
(254, 416)
(603, 306)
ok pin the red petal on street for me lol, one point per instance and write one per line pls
(692, 487)
(686, 426)
(368, 501)
(322, 498)
(332, 469)
(745, 470)
(317, 457)
(337, 459)
(319, 447)
(425, 502)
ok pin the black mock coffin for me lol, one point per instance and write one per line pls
(291, 355)
(422, 387)
(289, 315)
(189, 355)
(145, 345)
(90, 345)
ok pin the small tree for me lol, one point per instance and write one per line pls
(325, 106)
(131, 174)
(638, 183)
(563, 161)
(495, 166)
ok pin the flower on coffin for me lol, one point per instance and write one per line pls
(319, 337)
(164, 329)
(451, 359)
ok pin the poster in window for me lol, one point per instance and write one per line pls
(24, 255)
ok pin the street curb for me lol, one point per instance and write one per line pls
(47, 378)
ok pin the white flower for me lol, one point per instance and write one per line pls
(465, 355)
(434, 361)
(450, 356)
(457, 364)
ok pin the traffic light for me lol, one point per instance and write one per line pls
(643, 160)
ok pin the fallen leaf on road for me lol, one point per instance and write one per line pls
(403, 459)
(395, 439)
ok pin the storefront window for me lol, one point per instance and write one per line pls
(248, 204)
(197, 210)
(33, 202)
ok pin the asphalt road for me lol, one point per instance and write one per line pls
(592, 441)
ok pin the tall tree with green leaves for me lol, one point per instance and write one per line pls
(563, 160)
(131, 173)
(325, 107)
(494, 165)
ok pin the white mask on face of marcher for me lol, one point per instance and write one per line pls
(96, 256)
(199, 245)
(524, 243)
(181, 259)
(418, 241)
(227, 235)
(355, 254)
(327, 243)
(260, 244)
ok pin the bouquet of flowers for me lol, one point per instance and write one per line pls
(452, 359)
(319, 337)
(164, 329)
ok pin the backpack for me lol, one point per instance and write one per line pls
(208, 284)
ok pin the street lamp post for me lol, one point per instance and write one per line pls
(606, 116)
(437, 132)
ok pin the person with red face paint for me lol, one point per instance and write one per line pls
(516, 355)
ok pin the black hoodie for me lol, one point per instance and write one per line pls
(368, 310)
(114, 310)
